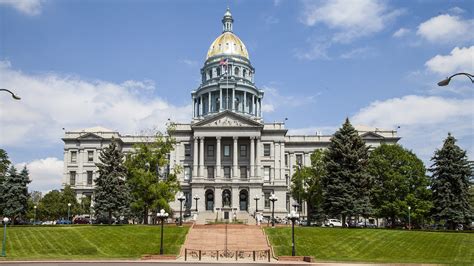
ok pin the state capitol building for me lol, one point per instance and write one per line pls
(228, 154)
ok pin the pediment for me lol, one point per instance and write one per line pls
(89, 135)
(371, 135)
(227, 119)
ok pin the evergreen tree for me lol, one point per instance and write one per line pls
(399, 181)
(151, 187)
(51, 206)
(306, 185)
(346, 185)
(15, 193)
(111, 192)
(4, 165)
(450, 184)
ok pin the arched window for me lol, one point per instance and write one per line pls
(236, 71)
(210, 73)
(218, 71)
(244, 73)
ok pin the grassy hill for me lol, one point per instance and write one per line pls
(375, 245)
(90, 242)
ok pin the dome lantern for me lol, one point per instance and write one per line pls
(227, 21)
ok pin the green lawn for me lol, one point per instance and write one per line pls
(90, 242)
(375, 245)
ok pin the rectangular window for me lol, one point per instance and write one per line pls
(210, 150)
(243, 150)
(227, 171)
(286, 160)
(73, 156)
(266, 149)
(187, 150)
(90, 156)
(267, 199)
(187, 173)
(226, 150)
(266, 173)
(72, 178)
(210, 172)
(299, 159)
(243, 172)
(89, 177)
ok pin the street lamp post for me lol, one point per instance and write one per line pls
(34, 219)
(162, 215)
(296, 206)
(4, 242)
(273, 198)
(256, 198)
(409, 221)
(446, 81)
(293, 216)
(196, 198)
(13, 95)
(68, 211)
(181, 198)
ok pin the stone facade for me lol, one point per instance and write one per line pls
(228, 154)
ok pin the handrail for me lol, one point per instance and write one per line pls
(262, 254)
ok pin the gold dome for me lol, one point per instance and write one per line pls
(228, 44)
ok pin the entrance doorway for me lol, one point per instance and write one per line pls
(209, 200)
(243, 200)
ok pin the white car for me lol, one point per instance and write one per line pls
(333, 223)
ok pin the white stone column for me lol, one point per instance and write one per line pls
(194, 106)
(209, 105)
(233, 99)
(218, 157)
(220, 100)
(276, 161)
(252, 157)
(253, 104)
(235, 158)
(259, 155)
(195, 158)
(245, 101)
(201, 158)
(201, 106)
(282, 160)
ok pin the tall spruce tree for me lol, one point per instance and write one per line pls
(15, 193)
(111, 192)
(4, 165)
(346, 186)
(450, 184)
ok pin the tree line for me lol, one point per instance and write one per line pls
(348, 180)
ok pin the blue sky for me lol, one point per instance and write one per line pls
(131, 65)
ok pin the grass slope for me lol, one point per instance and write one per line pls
(375, 245)
(90, 242)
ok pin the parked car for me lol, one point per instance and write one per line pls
(63, 221)
(333, 223)
(48, 223)
(81, 220)
(366, 224)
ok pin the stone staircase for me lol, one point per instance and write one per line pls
(226, 241)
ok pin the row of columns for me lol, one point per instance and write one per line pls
(198, 157)
(198, 104)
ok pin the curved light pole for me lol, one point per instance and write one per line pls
(4, 242)
(296, 206)
(34, 219)
(181, 198)
(162, 215)
(273, 198)
(446, 81)
(293, 216)
(13, 94)
(68, 211)
(196, 198)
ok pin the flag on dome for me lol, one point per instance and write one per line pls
(224, 61)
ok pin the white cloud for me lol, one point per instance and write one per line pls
(361, 53)
(51, 102)
(424, 121)
(189, 62)
(351, 19)
(274, 99)
(401, 32)
(446, 29)
(459, 60)
(456, 10)
(45, 174)
(318, 50)
(28, 7)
